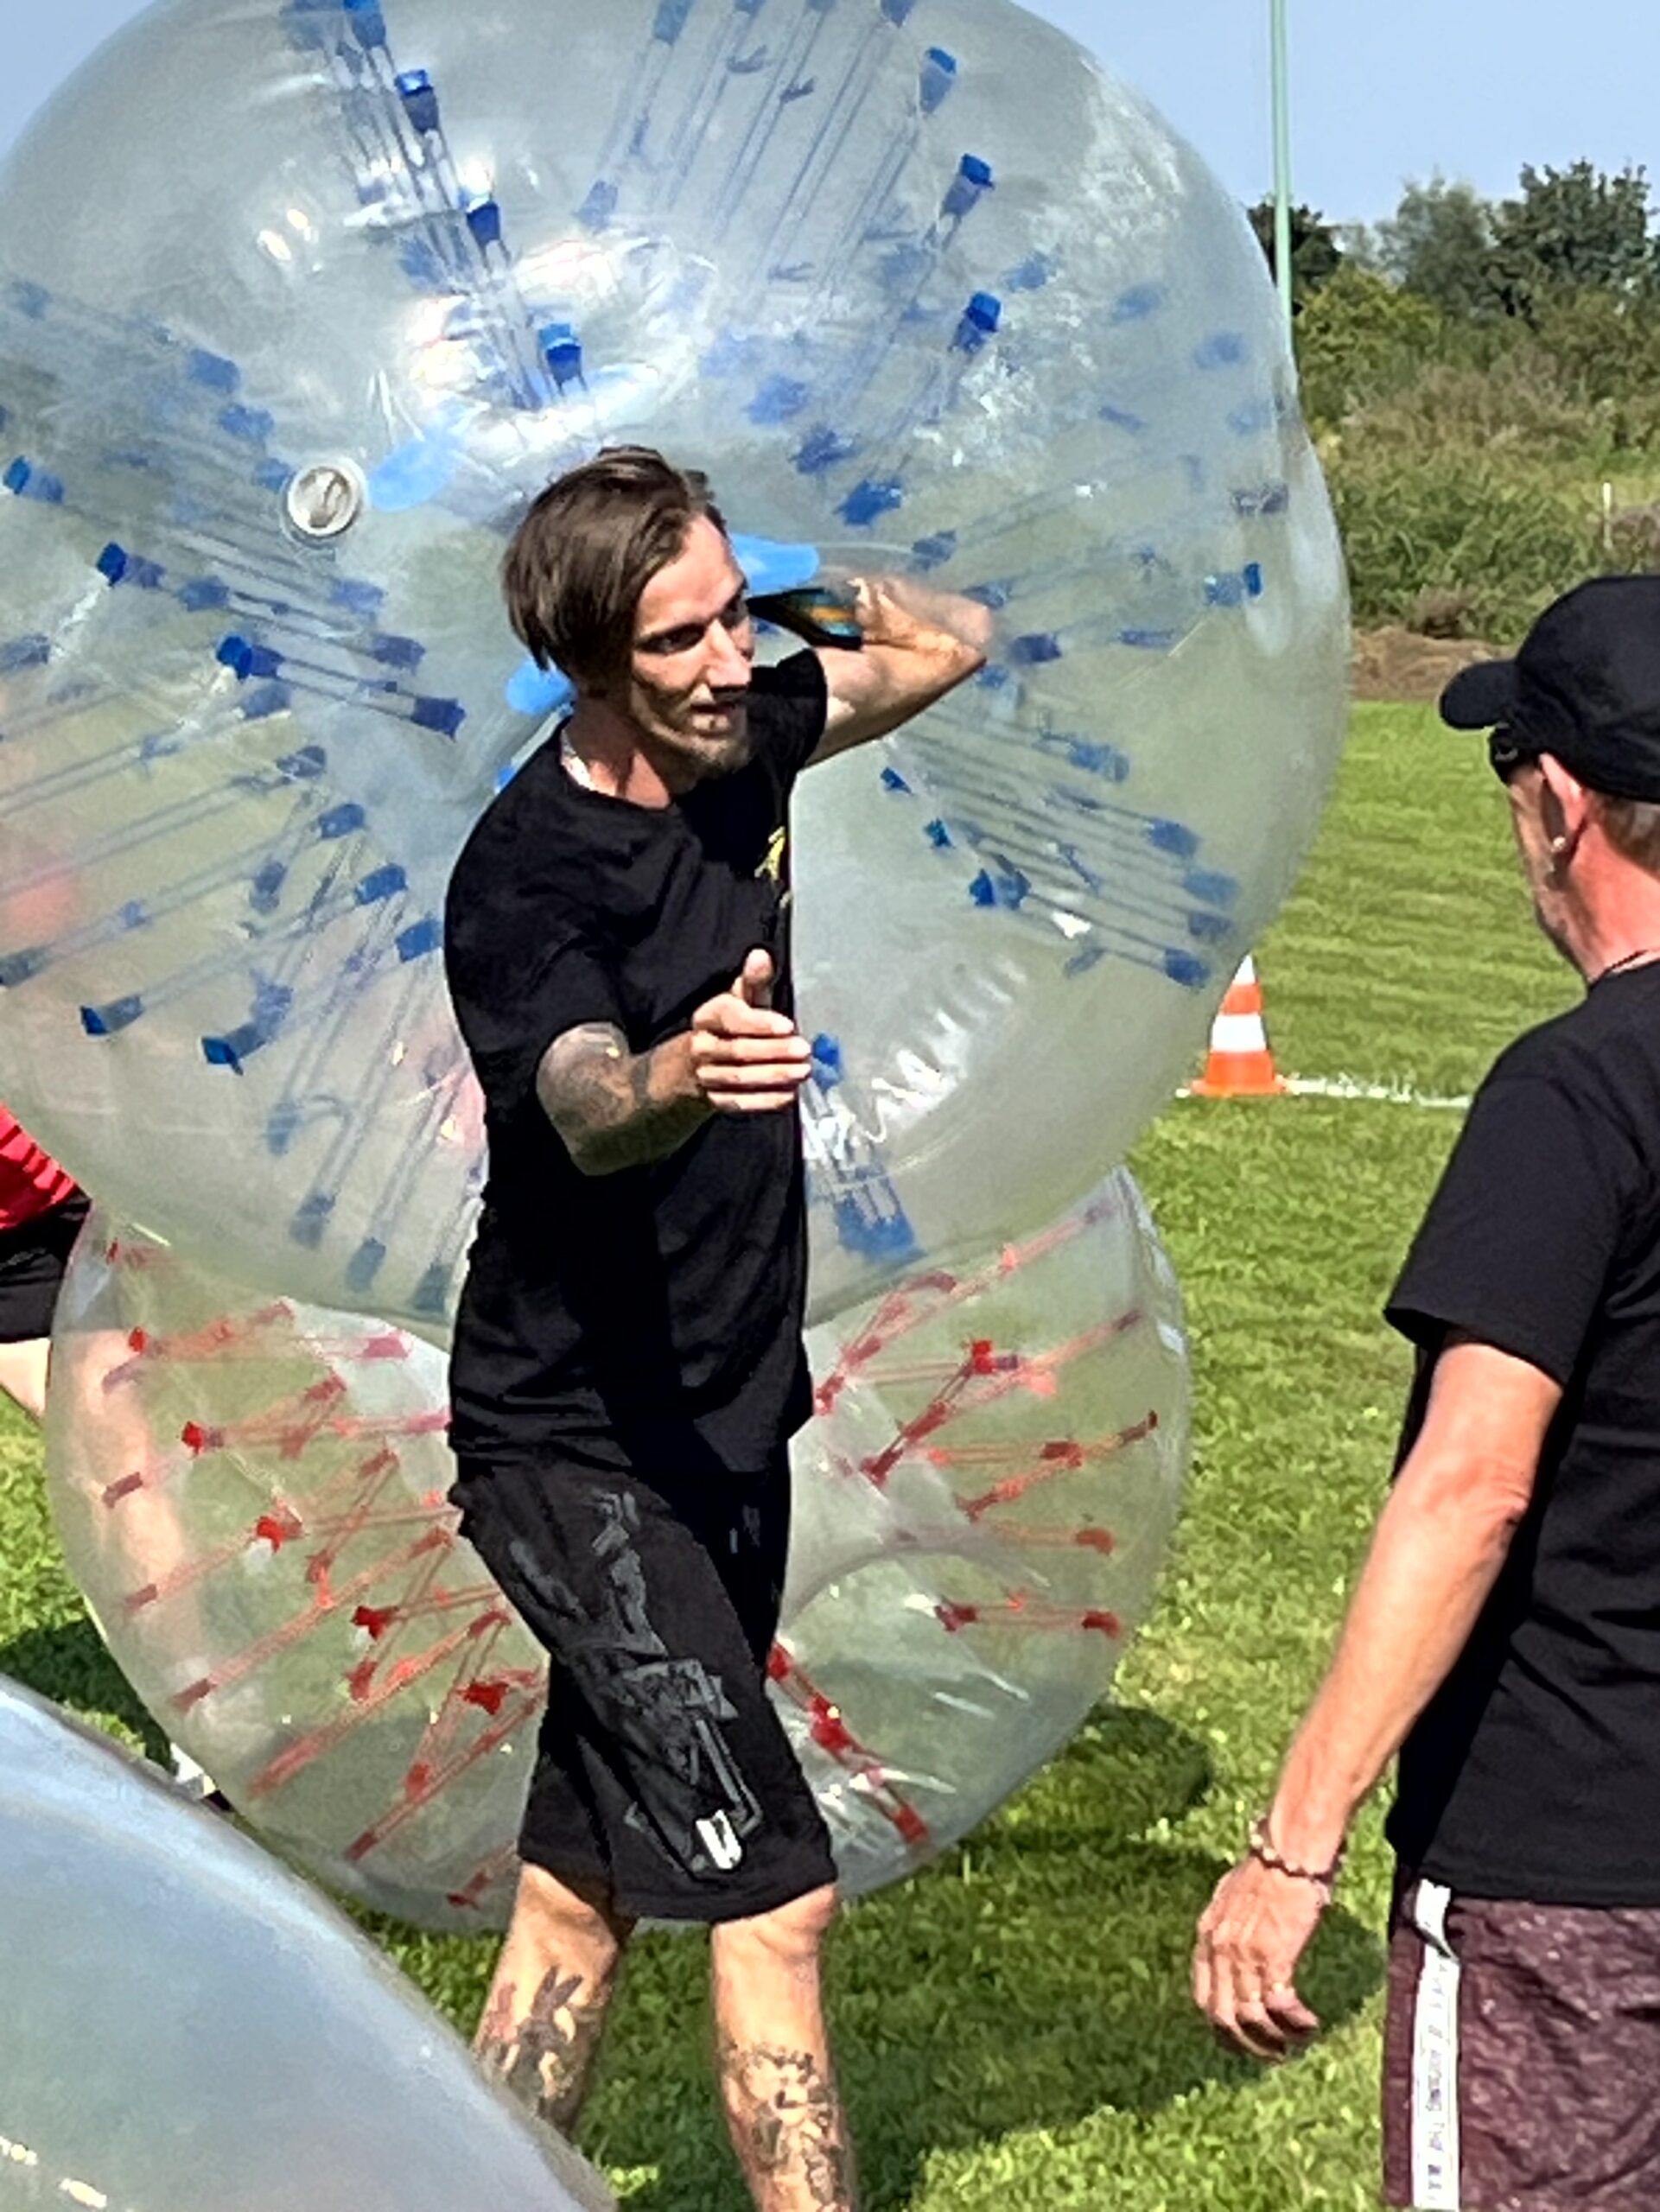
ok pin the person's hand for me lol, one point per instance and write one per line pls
(745, 1058)
(1253, 1932)
(898, 611)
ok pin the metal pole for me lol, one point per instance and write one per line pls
(1282, 71)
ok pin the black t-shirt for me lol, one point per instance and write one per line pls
(1535, 1772)
(650, 1317)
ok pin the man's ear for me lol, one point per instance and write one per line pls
(1564, 804)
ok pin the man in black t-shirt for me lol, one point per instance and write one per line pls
(629, 1364)
(1505, 1635)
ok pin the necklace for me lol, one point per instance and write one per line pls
(1631, 960)
(572, 761)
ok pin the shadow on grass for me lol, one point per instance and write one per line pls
(1030, 1980)
(69, 1664)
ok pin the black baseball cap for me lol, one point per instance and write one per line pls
(1586, 686)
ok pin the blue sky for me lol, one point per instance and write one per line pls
(1381, 92)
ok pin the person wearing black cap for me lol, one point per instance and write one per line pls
(1505, 1636)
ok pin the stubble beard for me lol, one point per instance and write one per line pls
(685, 756)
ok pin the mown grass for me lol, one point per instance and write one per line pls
(1014, 2026)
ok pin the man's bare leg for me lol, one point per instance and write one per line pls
(544, 2017)
(777, 2083)
(22, 1375)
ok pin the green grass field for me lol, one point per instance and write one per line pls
(1014, 2026)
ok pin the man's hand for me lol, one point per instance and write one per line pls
(615, 1108)
(897, 610)
(745, 1059)
(918, 644)
(1254, 1931)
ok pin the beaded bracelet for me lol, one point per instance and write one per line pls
(1260, 1848)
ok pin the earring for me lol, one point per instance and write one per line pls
(1559, 845)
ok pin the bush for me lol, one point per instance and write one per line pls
(1517, 409)
(1359, 340)
(1471, 386)
(1455, 532)
(1446, 611)
(1633, 545)
(1605, 351)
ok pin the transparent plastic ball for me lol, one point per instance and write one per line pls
(250, 1492)
(919, 287)
(187, 2023)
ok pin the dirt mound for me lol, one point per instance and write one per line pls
(1398, 664)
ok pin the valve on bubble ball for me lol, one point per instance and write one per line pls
(323, 501)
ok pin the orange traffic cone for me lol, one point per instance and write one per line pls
(1239, 1064)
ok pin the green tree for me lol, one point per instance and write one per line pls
(1316, 256)
(1605, 349)
(1438, 244)
(1571, 229)
(1361, 340)
(1358, 245)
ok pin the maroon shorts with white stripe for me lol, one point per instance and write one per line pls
(1522, 2055)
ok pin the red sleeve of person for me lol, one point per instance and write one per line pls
(31, 1181)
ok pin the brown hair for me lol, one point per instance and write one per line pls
(587, 550)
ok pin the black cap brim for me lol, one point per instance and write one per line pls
(1480, 697)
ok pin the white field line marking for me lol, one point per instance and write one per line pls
(1348, 1086)
(1390, 1093)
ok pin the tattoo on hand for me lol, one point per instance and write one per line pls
(545, 2056)
(787, 2123)
(604, 1102)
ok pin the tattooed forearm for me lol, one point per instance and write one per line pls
(616, 1109)
(787, 2127)
(544, 2056)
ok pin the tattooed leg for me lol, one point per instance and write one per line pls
(777, 2081)
(787, 2126)
(545, 2012)
(545, 2052)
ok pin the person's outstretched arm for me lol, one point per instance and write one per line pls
(1439, 1544)
(616, 1109)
